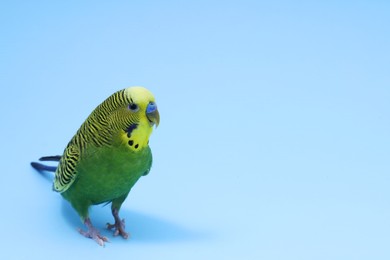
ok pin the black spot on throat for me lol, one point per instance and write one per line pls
(131, 142)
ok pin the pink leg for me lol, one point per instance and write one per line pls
(93, 233)
(118, 226)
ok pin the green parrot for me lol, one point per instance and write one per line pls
(106, 157)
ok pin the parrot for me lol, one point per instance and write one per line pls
(106, 157)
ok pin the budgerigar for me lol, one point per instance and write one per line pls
(107, 156)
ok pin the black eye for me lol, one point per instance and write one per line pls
(133, 107)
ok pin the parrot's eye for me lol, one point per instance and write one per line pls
(133, 107)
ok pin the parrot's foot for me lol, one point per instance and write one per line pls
(93, 233)
(119, 226)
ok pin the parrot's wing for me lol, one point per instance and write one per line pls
(66, 172)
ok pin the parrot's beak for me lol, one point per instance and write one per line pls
(152, 114)
(154, 118)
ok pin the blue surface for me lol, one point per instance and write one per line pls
(274, 137)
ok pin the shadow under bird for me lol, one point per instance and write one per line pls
(106, 157)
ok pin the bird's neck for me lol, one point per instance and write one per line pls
(137, 136)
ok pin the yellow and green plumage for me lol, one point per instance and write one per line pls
(107, 156)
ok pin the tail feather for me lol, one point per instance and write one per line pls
(54, 158)
(41, 167)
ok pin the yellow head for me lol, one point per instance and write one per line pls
(141, 115)
(142, 101)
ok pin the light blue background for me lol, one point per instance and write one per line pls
(274, 138)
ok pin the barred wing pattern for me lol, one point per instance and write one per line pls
(66, 171)
(95, 131)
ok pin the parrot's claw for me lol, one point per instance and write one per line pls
(119, 228)
(93, 233)
(95, 236)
